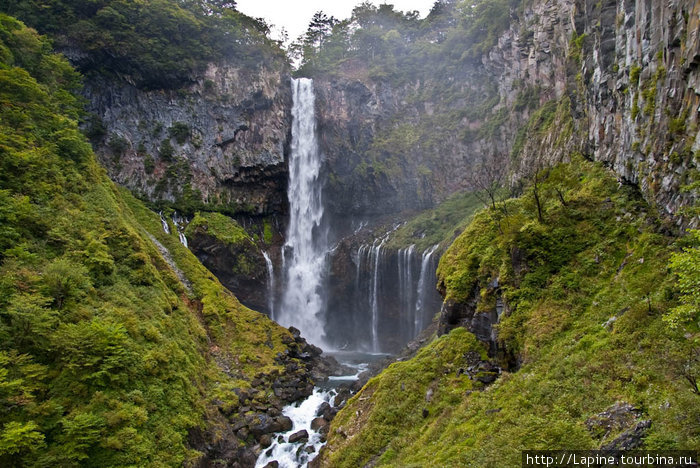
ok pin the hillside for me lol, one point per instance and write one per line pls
(575, 315)
(117, 346)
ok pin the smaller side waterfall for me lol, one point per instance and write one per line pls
(270, 285)
(181, 225)
(392, 296)
(423, 288)
(406, 287)
(164, 222)
(375, 254)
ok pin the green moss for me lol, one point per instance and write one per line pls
(267, 231)
(389, 407)
(109, 341)
(439, 225)
(635, 71)
(600, 256)
(220, 227)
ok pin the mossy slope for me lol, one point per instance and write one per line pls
(586, 292)
(107, 357)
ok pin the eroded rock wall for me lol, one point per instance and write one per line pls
(220, 141)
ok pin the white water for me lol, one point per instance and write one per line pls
(164, 222)
(406, 289)
(307, 245)
(180, 224)
(270, 285)
(375, 253)
(423, 288)
(293, 455)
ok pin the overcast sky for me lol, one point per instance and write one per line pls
(294, 15)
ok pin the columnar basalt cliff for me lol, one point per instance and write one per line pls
(615, 81)
(220, 141)
(628, 73)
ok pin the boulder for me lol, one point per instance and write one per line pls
(300, 436)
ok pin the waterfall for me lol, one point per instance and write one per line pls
(180, 224)
(375, 254)
(306, 245)
(164, 222)
(423, 285)
(270, 285)
(406, 288)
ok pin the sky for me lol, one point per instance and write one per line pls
(294, 15)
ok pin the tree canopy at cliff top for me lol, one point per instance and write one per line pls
(156, 43)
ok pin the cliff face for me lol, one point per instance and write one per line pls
(615, 81)
(388, 150)
(630, 73)
(220, 141)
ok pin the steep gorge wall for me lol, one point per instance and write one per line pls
(615, 81)
(220, 141)
(628, 71)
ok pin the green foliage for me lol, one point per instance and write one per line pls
(105, 335)
(159, 43)
(686, 265)
(220, 227)
(180, 131)
(166, 150)
(586, 296)
(439, 225)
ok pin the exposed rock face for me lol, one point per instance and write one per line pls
(623, 76)
(221, 140)
(240, 267)
(630, 72)
(377, 162)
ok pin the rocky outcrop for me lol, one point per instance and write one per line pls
(240, 431)
(240, 267)
(619, 81)
(376, 138)
(628, 71)
(220, 141)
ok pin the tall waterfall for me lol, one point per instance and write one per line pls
(306, 246)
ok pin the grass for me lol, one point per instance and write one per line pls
(599, 255)
(439, 225)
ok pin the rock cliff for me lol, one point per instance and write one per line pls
(615, 81)
(220, 141)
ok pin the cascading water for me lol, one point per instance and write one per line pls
(406, 289)
(423, 288)
(394, 295)
(307, 242)
(270, 285)
(375, 254)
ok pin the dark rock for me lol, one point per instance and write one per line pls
(272, 464)
(621, 416)
(301, 436)
(319, 424)
(309, 449)
(630, 439)
(324, 410)
(426, 413)
(263, 423)
(285, 424)
(265, 440)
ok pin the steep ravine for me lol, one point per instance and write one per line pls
(626, 73)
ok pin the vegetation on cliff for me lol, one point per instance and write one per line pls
(590, 308)
(113, 338)
(158, 43)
